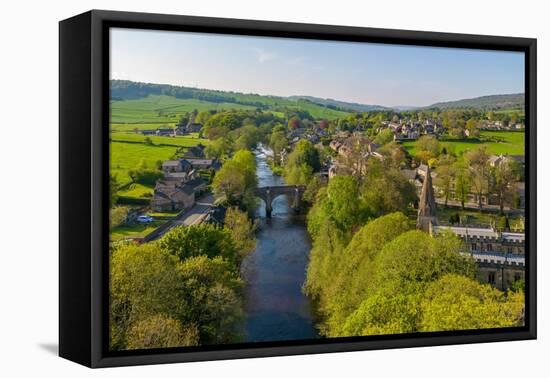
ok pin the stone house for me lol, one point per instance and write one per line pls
(172, 195)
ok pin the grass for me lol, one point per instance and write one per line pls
(162, 109)
(126, 156)
(474, 217)
(497, 142)
(177, 141)
(136, 191)
(137, 230)
(128, 150)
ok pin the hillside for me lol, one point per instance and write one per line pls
(341, 105)
(494, 102)
(127, 94)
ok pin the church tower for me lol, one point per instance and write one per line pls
(426, 206)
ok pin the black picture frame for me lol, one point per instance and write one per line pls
(83, 164)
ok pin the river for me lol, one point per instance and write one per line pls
(276, 309)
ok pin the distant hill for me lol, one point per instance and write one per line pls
(343, 105)
(494, 102)
(124, 90)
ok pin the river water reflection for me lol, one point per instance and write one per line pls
(276, 308)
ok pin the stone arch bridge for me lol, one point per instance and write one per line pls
(269, 193)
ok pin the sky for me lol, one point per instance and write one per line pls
(367, 73)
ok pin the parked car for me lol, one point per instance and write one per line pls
(144, 219)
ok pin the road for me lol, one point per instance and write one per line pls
(189, 217)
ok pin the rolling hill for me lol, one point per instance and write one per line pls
(494, 102)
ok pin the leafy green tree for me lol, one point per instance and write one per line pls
(118, 216)
(398, 277)
(501, 179)
(213, 289)
(385, 189)
(384, 136)
(445, 176)
(298, 174)
(161, 331)
(477, 160)
(218, 148)
(351, 273)
(278, 142)
(203, 239)
(428, 143)
(472, 125)
(242, 230)
(340, 203)
(236, 181)
(462, 180)
(458, 302)
(144, 282)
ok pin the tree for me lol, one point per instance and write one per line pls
(144, 175)
(203, 239)
(384, 136)
(402, 270)
(501, 180)
(340, 203)
(113, 188)
(117, 216)
(213, 290)
(457, 302)
(385, 189)
(242, 230)
(298, 174)
(144, 282)
(463, 181)
(230, 183)
(428, 143)
(278, 143)
(161, 331)
(472, 125)
(477, 160)
(294, 123)
(218, 148)
(445, 176)
(236, 180)
(301, 163)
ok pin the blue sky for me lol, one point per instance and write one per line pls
(390, 75)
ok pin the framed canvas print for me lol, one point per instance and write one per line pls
(233, 188)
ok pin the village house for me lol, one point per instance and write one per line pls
(170, 167)
(171, 194)
(500, 256)
(195, 152)
(204, 163)
(164, 131)
(191, 127)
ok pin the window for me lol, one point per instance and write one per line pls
(474, 246)
(489, 248)
(491, 277)
(510, 250)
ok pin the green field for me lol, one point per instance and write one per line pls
(129, 150)
(497, 142)
(134, 230)
(177, 141)
(162, 109)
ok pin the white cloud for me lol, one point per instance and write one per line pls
(264, 55)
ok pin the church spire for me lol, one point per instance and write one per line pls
(426, 206)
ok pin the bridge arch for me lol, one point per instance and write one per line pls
(269, 193)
